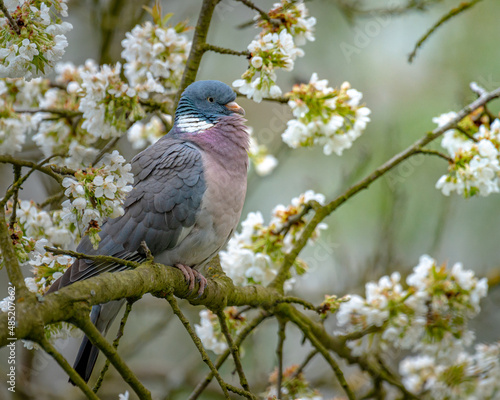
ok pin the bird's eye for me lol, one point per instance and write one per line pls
(210, 99)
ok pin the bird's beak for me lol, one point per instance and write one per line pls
(235, 107)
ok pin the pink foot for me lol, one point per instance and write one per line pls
(192, 276)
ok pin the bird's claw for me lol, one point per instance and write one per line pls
(193, 276)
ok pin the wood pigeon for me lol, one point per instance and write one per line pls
(187, 199)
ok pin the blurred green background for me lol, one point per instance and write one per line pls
(386, 228)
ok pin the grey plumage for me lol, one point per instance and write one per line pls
(187, 198)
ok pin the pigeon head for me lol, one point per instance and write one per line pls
(203, 103)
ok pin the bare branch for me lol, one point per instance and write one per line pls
(196, 340)
(233, 349)
(223, 50)
(220, 360)
(452, 13)
(75, 377)
(279, 354)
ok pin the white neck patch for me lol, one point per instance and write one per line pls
(192, 124)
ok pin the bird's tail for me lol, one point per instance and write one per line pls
(102, 316)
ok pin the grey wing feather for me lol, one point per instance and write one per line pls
(163, 205)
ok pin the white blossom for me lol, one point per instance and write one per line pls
(430, 317)
(325, 117)
(41, 41)
(475, 168)
(155, 57)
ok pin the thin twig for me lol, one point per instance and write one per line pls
(53, 171)
(304, 364)
(86, 325)
(298, 300)
(435, 153)
(116, 342)
(60, 111)
(279, 354)
(75, 377)
(52, 199)
(220, 360)
(328, 358)
(453, 12)
(196, 340)
(282, 99)
(293, 219)
(102, 258)
(223, 50)
(464, 132)
(19, 181)
(261, 12)
(241, 392)
(106, 148)
(11, 20)
(233, 349)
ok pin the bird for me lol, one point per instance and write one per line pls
(187, 197)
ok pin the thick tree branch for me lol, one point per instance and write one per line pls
(10, 260)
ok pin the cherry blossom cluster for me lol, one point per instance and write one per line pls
(275, 47)
(209, 330)
(430, 316)
(97, 193)
(155, 55)
(263, 162)
(40, 42)
(33, 225)
(332, 118)
(474, 152)
(469, 376)
(294, 386)
(253, 256)
(109, 105)
(47, 267)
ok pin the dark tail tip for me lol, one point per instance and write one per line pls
(85, 360)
